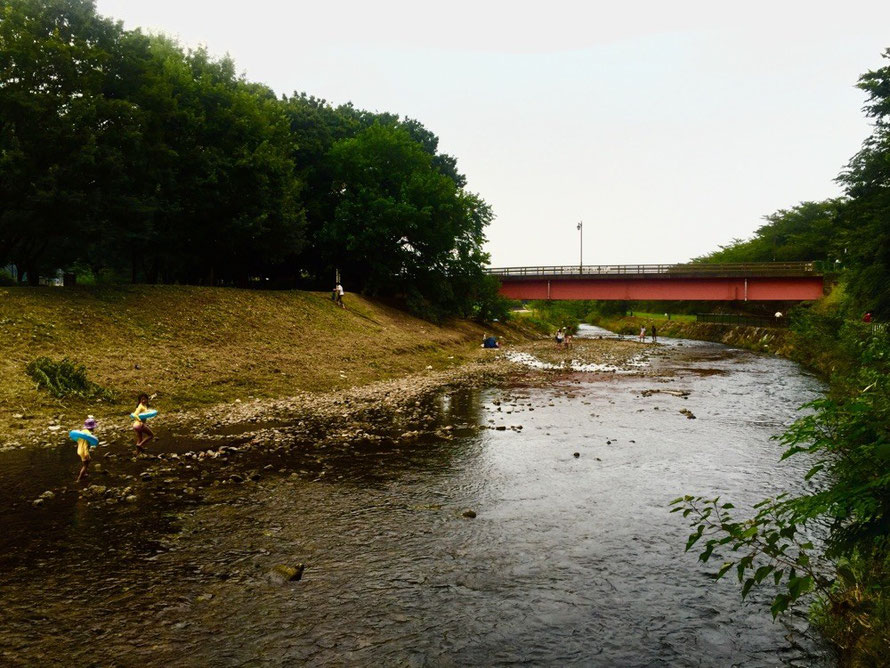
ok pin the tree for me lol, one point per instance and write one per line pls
(400, 226)
(58, 133)
(807, 231)
(866, 218)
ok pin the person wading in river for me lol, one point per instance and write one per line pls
(83, 448)
(143, 433)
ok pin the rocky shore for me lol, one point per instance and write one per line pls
(243, 441)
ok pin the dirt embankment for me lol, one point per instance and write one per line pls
(193, 348)
(761, 339)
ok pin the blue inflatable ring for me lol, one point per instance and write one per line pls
(144, 416)
(75, 435)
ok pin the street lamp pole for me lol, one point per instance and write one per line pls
(580, 229)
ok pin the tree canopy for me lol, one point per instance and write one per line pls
(124, 155)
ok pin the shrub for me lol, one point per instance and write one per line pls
(65, 378)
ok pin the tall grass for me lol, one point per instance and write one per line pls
(65, 378)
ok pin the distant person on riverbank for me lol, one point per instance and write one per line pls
(569, 338)
(642, 334)
(338, 295)
(654, 336)
(560, 337)
(83, 448)
(490, 342)
(143, 433)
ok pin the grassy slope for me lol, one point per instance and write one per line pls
(196, 346)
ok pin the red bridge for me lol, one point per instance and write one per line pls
(757, 281)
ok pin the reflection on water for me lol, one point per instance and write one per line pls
(569, 560)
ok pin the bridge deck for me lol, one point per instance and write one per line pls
(741, 269)
(767, 281)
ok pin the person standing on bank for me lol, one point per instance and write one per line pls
(654, 337)
(338, 293)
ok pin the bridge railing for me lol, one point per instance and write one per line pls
(702, 269)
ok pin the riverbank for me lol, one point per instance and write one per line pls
(193, 347)
(233, 442)
(773, 340)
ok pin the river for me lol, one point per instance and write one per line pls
(569, 560)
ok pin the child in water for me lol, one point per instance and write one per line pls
(143, 433)
(83, 448)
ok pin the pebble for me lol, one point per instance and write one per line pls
(576, 454)
(283, 573)
(470, 514)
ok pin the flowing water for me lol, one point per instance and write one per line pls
(569, 560)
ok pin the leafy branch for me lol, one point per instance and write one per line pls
(767, 545)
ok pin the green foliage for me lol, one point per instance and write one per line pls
(856, 617)
(65, 379)
(768, 545)
(487, 303)
(399, 226)
(556, 314)
(606, 308)
(864, 228)
(124, 155)
(542, 326)
(804, 232)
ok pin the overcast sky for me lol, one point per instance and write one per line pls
(669, 128)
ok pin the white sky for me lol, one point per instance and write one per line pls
(669, 127)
